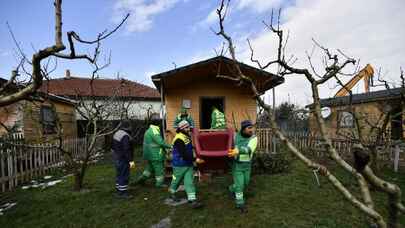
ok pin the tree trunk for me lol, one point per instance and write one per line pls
(393, 212)
(375, 161)
(79, 177)
(78, 182)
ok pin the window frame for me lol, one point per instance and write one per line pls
(48, 127)
(340, 116)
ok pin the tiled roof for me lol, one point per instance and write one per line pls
(75, 86)
(38, 95)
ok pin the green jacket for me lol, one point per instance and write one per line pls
(178, 119)
(246, 146)
(217, 120)
(154, 145)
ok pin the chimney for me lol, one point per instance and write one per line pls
(67, 74)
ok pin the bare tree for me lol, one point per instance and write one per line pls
(361, 171)
(100, 115)
(37, 73)
(15, 89)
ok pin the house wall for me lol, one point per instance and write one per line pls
(11, 116)
(238, 101)
(136, 109)
(371, 112)
(33, 129)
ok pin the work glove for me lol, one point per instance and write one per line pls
(233, 152)
(132, 165)
(199, 161)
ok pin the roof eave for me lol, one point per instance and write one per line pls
(57, 98)
(331, 103)
(227, 60)
(157, 81)
(157, 78)
(138, 98)
(276, 81)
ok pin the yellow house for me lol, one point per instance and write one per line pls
(339, 120)
(198, 88)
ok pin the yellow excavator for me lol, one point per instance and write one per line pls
(367, 73)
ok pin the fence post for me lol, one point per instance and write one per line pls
(10, 169)
(2, 167)
(274, 142)
(396, 157)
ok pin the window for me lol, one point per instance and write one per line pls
(346, 119)
(48, 120)
(186, 103)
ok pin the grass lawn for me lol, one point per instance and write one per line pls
(283, 200)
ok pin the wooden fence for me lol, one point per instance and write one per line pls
(312, 145)
(20, 162)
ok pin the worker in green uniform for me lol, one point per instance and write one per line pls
(182, 163)
(154, 154)
(218, 120)
(242, 154)
(183, 115)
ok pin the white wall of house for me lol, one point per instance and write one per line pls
(116, 110)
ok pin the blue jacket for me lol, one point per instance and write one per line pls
(182, 151)
(121, 146)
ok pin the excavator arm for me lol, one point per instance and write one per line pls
(366, 73)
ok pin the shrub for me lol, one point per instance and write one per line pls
(269, 163)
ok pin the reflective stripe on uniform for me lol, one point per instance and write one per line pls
(122, 187)
(220, 118)
(155, 129)
(182, 137)
(152, 145)
(249, 150)
(159, 178)
(191, 196)
(119, 135)
(244, 157)
(253, 144)
(239, 195)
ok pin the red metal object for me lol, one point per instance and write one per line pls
(212, 146)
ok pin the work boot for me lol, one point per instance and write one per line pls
(174, 198)
(124, 195)
(162, 186)
(231, 194)
(242, 209)
(140, 181)
(195, 204)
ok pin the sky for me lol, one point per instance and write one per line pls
(162, 34)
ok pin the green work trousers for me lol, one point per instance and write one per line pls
(183, 174)
(155, 168)
(241, 178)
